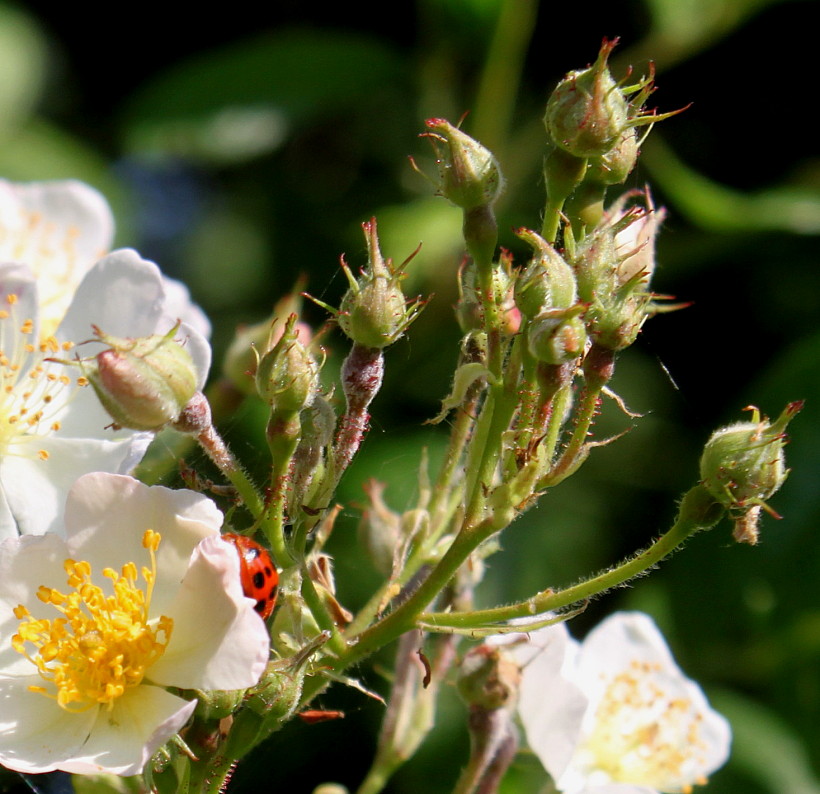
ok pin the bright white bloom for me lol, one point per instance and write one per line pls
(140, 594)
(646, 727)
(51, 429)
(58, 229)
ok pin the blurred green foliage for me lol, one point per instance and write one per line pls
(242, 152)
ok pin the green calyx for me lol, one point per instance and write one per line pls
(143, 383)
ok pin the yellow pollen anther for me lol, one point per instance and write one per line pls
(42, 454)
(11, 299)
(101, 645)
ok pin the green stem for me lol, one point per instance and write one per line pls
(459, 436)
(216, 449)
(283, 433)
(529, 398)
(321, 615)
(404, 617)
(555, 422)
(488, 442)
(574, 454)
(698, 511)
(418, 557)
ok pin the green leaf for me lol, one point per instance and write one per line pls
(765, 748)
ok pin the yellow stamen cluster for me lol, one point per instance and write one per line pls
(103, 644)
(28, 383)
(643, 735)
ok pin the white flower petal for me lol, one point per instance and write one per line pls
(25, 564)
(647, 724)
(35, 734)
(17, 280)
(551, 708)
(58, 229)
(122, 294)
(35, 489)
(124, 739)
(8, 526)
(179, 306)
(107, 514)
(218, 642)
(56, 226)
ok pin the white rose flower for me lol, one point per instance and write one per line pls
(140, 594)
(52, 430)
(59, 230)
(646, 727)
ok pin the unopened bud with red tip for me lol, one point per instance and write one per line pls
(743, 465)
(374, 312)
(143, 383)
(587, 112)
(287, 376)
(547, 282)
(469, 175)
(252, 341)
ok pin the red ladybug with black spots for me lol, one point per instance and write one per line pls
(258, 574)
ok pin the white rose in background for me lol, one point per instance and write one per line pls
(59, 230)
(646, 727)
(158, 592)
(52, 431)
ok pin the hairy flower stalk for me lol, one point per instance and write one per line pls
(373, 314)
(287, 379)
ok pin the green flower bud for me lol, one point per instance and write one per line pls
(557, 337)
(614, 265)
(613, 167)
(287, 375)
(743, 465)
(547, 282)
(277, 694)
(587, 111)
(469, 175)
(374, 313)
(469, 308)
(489, 678)
(143, 383)
(252, 341)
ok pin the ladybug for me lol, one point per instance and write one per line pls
(260, 579)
